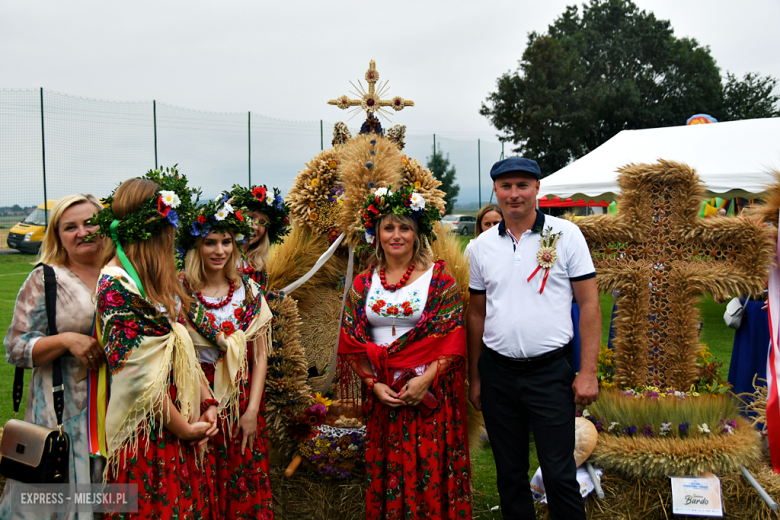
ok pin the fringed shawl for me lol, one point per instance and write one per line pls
(439, 335)
(253, 318)
(146, 353)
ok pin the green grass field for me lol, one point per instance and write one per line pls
(15, 268)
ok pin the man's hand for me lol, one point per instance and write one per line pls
(586, 389)
(475, 392)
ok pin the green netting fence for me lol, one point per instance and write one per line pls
(53, 144)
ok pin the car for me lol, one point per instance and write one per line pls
(462, 224)
(27, 235)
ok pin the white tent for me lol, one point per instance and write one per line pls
(733, 159)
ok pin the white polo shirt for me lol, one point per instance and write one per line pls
(520, 322)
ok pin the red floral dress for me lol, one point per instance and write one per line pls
(173, 482)
(242, 481)
(418, 468)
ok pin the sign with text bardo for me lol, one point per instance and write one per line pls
(697, 496)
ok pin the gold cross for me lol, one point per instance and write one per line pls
(371, 101)
(660, 255)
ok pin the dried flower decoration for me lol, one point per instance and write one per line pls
(397, 134)
(341, 133)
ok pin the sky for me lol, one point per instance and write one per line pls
(285, 60)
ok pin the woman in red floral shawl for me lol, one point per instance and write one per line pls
(229, 324)
(403, 335)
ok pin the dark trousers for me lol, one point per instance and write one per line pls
(511, 400)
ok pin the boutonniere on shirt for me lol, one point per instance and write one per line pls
(547, 256)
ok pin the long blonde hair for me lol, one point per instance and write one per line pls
(153, 258)
(420, 253)
(52, 252)
(257, 254)
(196, 274)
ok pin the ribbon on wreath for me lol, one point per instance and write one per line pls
(546, 256)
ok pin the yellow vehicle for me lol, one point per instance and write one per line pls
(27, 235)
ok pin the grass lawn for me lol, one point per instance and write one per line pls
(15, 268)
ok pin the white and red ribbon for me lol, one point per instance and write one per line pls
(773, 364)
(544, 279)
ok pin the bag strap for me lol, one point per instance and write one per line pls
(58, 389)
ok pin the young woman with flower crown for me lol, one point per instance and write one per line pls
(229, 323)
(270, 223)
(403, 336)
(161, 411)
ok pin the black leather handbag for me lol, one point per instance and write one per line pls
(31, 453)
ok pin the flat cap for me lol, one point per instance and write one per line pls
(515, 164)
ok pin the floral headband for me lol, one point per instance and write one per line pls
(219, 216)
(172, 200)
(257, 198)
(405, 201)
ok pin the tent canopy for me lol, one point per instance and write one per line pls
(733, 159)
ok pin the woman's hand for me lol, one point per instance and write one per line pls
(415, 390)
(209, 416)
(85, 348)
(195, 431)
(387, 396)
(248, 426)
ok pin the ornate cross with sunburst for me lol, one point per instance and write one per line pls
(371, 101)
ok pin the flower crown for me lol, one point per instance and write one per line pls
(405, 201)
(221, 215)
(257, 198)
(172, 200)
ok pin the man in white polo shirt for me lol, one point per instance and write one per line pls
(524, 274)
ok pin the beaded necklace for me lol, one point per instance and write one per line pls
(404, 279)
(221, 304)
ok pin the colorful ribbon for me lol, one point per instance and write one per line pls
(97, 392)
(123, 258)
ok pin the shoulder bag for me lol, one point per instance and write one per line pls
(31, 453)
(734, 312)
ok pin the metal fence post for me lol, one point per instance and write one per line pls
(249, 144)
(154, 115)
(493, 189)
(479, 170)
(43, 158)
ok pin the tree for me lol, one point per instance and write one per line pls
(442, 170)
(750, 98)
(610, 68)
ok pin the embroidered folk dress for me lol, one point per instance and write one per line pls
(175, 480)
(242, 481)
(398, 311)
(260, 276)
(417, 468)
(75, 312)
